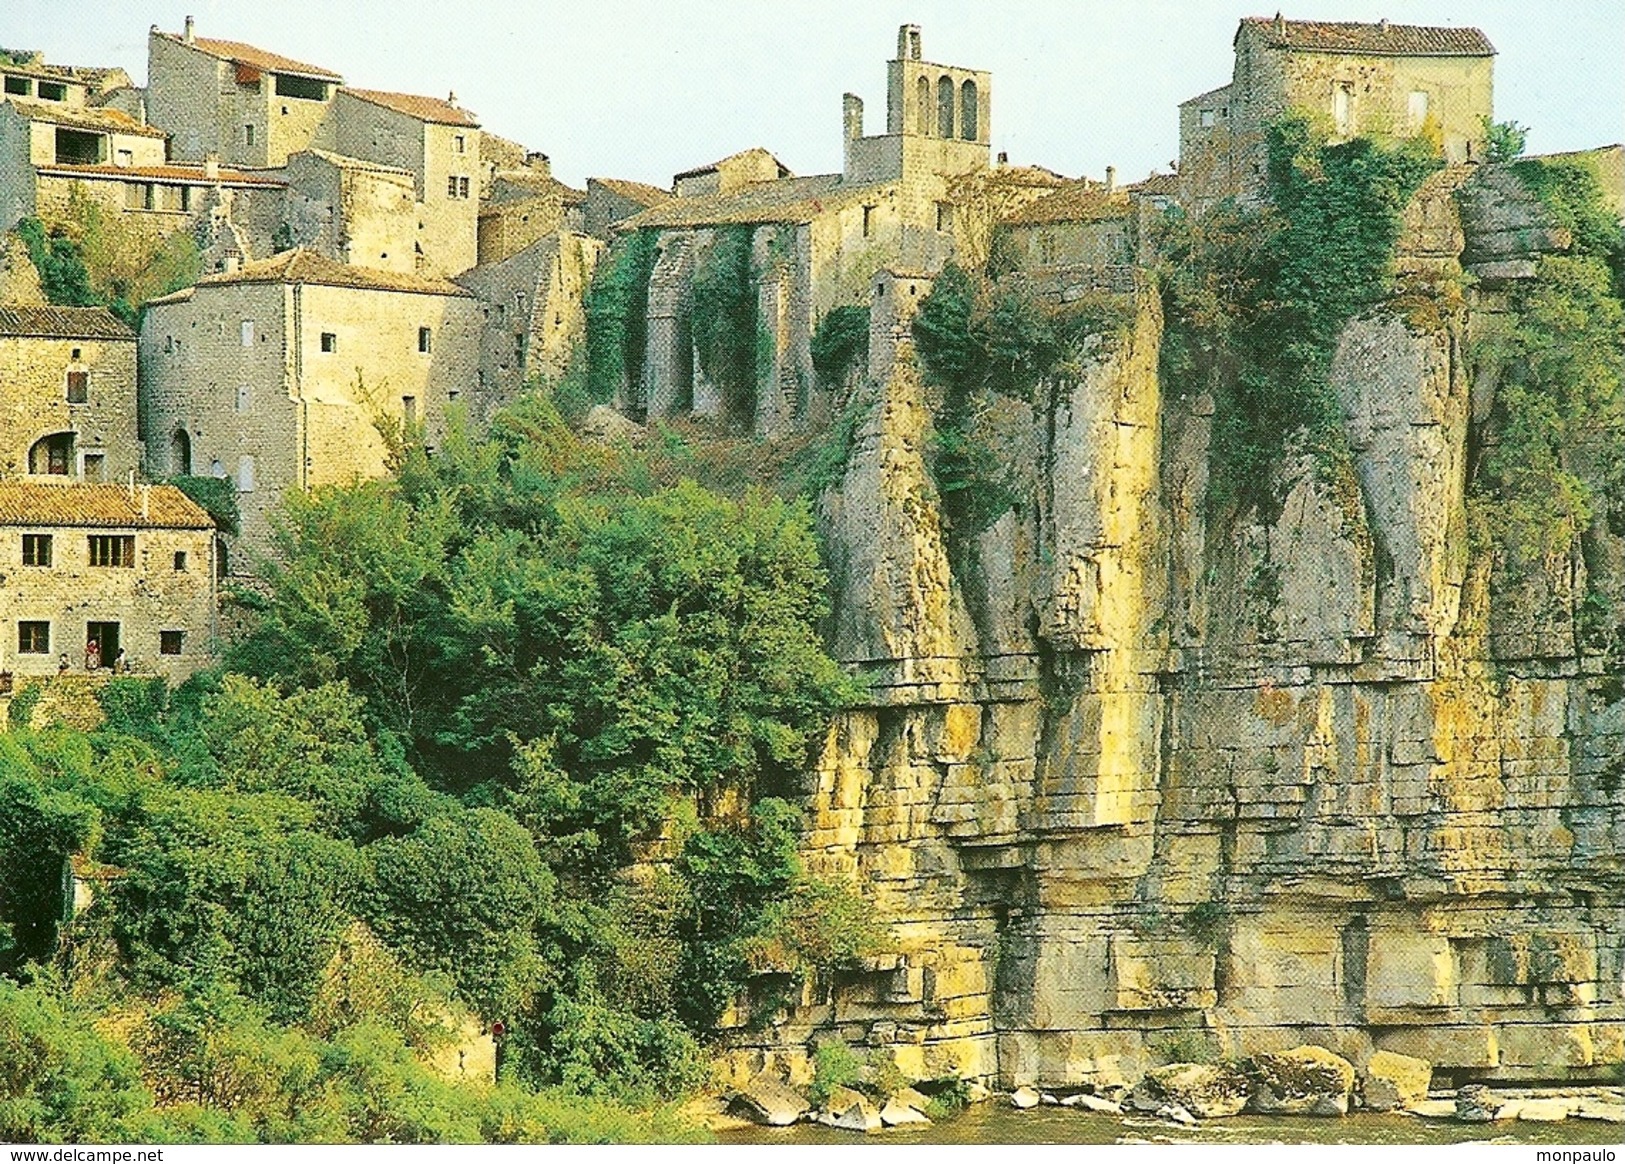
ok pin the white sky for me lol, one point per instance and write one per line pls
(645, 88)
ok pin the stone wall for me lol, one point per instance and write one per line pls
(35, 370)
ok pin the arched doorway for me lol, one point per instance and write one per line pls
(180, 453)
(52, 455)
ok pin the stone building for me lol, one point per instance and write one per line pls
(439, 144)
(533, 305)
(246, 106)
(524, 204)
(815, 241)
(1355, 79)
(67, 394)
(128, 567)
(295, 371)
(38, 138)
(26, 77)
(611, 201)
(351, 210)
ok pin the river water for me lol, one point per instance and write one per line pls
(996, 1122)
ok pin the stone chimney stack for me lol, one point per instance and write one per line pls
(451, 99)
(190, 36)
(1382, 25)
(851, 116)
(1111, 179)
(908, 42)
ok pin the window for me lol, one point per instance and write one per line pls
(967, 110)
(51, 91)
(95, 469)
(245, 475)
(124, 159)
(180, 559)
(945, 217)
(425, 339)
(186, 197)
(36, 549)
(458, 143)
(330, 342)
(19, 86)
(33, 638)
(302, 88)
(78, 387)
(248, 136)
(409, 409)
(868, 221)
(945, 107)
(180, 453)
(242, 398)
(248, 333)
(169, 642)
(75, 353)
(1206, 118)
(52, 455)
(115, 550)
(1418, 109)
(76, 147)
(456, 186)
(1046, 248)
(148, 196)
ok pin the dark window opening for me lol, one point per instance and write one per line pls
(300, 88)
(922, 101)
(180, 559)
(409, 409)
(180, 453)
(248, 135)
(186, 198)
(113, 550)
(95, 468)
(945, 107)
(33, 638)
(169, 642)
(20, 86)
(945, 217)
(425, 339)
(52, 91)
(74, 147)
(868, 221)
(967, 111)
(36, 549)
(78, 387)
(104, 637)
(52, 455)
(330, 342)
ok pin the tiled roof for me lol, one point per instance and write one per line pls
(523, 185)
(100, 506)
(1380, 39)
(1080, 201)
(346, 162)
(62, 323)
(163, 174)
(73, 74)
(786, 200)
(430, 109)
(640, 192)
(302, 266)
(81, 117)
(247, 54)
(1211, 95)
(784, 170)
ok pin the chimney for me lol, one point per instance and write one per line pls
(908, 42)
(190, 37)
(211, 165)
(451, 99)
(146, 502)
(233, 261)
(1004, 159)
(1280, 25)
(851, 116)
(1111, 179)
(132, 486)
(1382, 25)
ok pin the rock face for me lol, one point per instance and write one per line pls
(1306, 1080)
(1131, 777)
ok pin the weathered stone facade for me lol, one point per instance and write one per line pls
(1352, 79)
(35, 136)
(130, 566)
(68, 405)
(288, 374)
(1133, 786)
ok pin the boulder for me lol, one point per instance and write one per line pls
(895, 1114)
(851, 1112)
(1393, 1080)
(1475, 1104)
(1093, 1103)
(977, 1093)
(1433, 1109)
(1596, 1109)
(1176, 1114)
(764, 1100)
(1306, 1080)
(1204, 1090)
(1545, 1111)
(603, 425)
(1048, 1100)
(1024, 1098)
(908, 1097)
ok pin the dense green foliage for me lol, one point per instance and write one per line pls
(60, 263)
(216, 495)
(723, 316)
(617, 325)
(840, 343)
(515, 735)
(1255, 299)
(1504, 140)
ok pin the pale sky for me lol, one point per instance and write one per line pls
(646, 88)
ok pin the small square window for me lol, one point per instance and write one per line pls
(248, 333)
(33, 638)
(180, 559)
(77, 352)
(36, 549)
(78, 387)
(409, 409)
(462, 187)
(1206, 117)
(169, 642)
(425, 339)
(330, 342)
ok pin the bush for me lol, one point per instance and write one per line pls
(617, 315)
(840, 343)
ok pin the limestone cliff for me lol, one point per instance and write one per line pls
(1130, 784)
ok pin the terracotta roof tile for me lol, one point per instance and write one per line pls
(1381, 39)
(1080, 201)
(85, 117)
(164, 174)
(99, 506)
(302, 266)
(640, 192)
(430, 109)
(247, 54)
(62, 323)
(754, 151)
